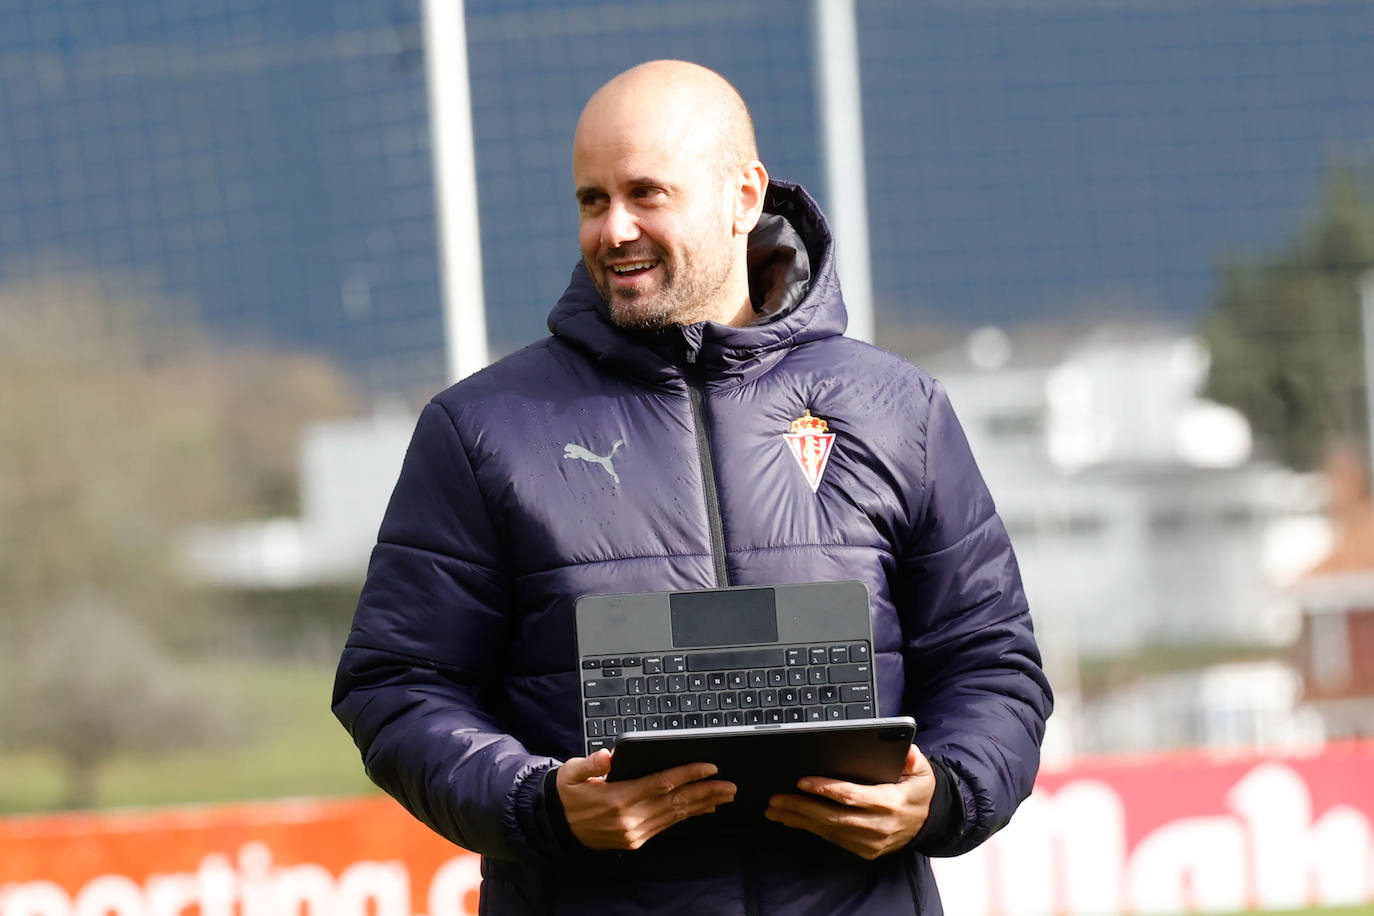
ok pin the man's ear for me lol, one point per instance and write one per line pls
(753, 182)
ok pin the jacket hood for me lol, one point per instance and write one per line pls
(726, 355)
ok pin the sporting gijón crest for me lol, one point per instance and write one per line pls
(810, 444)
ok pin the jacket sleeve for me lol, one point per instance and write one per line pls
(419, 682)
(974, 681)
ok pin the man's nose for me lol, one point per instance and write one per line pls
(619, 226)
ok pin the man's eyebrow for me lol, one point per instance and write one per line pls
(639, 181)
(651, 181)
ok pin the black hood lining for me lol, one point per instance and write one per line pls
(779, 268)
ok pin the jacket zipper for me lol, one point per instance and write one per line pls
(696, 389)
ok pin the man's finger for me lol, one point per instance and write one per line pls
(690, 801)
(669, 781)
(851, 795)
(581, 769)
(815, 810)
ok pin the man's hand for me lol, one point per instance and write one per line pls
(626, 814)
(866, 820)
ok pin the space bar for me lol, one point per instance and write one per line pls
(734, 658)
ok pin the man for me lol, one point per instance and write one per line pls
(640, 448)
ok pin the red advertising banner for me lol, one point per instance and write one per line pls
(1165, 835)
(1180, 834)
(363, 857)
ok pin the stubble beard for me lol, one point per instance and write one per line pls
(689, 291)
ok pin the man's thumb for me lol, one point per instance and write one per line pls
(580, 769)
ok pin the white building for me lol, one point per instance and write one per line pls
(1141, 520)
(1136, 508)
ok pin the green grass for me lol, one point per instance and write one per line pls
(285, 743)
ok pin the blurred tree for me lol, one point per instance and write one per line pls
(1285, 332)
(92, 683)
(118, 428)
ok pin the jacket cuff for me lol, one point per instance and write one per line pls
(946, 818)
(549, 809)
(542, 835)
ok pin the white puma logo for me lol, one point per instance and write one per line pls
(573, 450)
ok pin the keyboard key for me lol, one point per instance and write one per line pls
(753, 717)
(734, 717)
(677, 683)
(856, 693)
(630, 661)
(610, 663)
(603, 687)
(627, 706)
(591, 664)
(687, 702)
(593, 728)
(815, 675)
(696, 682)
(632, 724)
(708, 701)
(653, 664)
(748, 698)
(796, 677)
(611, 726)
(815, 713)
(777, 677)
(839, 674)
(810, 696)
(758, 678)
(787, 696)
(674, 664)
(796, 656)
(597, 744)
(795, 714)
(818, 655)
(692, 720)
(839, 655)
(634, 686)
(653, 723)
(716, 680)
(734, 658)
(736, 679)
(858, 653)
(612, 672)
(648, 705)
(657, 683)
(713, 719)
(673, 721)
(829, 693)
(772, 716)
(729, 700)
(668, 702)
(834, 713)
(858, 711)
(596, 708)
(768, 698)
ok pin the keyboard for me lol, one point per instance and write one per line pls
(725, 687)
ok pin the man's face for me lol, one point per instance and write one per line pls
(655, 225)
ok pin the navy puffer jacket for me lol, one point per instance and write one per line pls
(459, 680)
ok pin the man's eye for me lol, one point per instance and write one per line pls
(591, 201)
(648, 193)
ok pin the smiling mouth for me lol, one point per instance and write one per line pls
(633, 269)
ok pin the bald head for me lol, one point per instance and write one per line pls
(696, 107)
